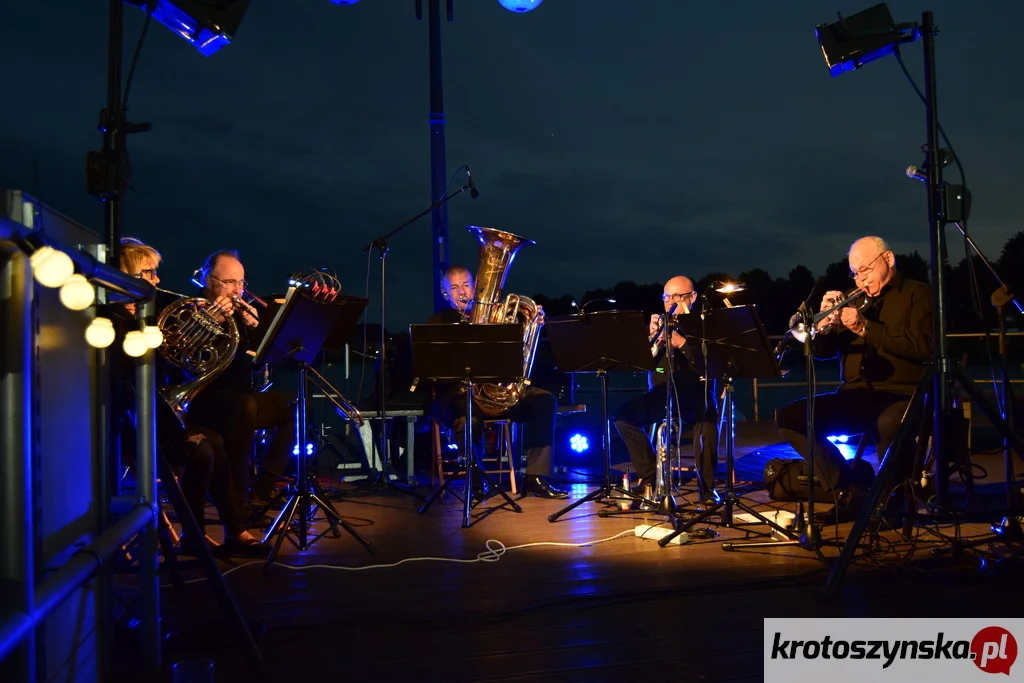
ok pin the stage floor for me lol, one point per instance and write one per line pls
(518, 598)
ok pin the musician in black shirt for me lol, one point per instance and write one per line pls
(883, 351)
(229, 404)
(695, 403)
(536, 410)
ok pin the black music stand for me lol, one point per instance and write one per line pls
(733, 345)
(470, 354)
(296, 334)
(603, 342)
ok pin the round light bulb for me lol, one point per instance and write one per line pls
(51, 267)
(77, 293)
(135, 343)
(100, 333)
(520, 5)
(154, 337)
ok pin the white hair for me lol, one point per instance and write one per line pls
(876, 242)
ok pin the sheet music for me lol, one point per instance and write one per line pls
(282, 309)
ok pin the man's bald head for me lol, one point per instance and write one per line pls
(679, 290)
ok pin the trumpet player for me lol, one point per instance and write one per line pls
(229, 404)
(695, 404)
(536, 411)
(882, 350)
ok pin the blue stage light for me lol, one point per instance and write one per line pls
(579, 443)
(209, 25)
(838, 438)
(344, 2)
(520, 5)
(309, 449)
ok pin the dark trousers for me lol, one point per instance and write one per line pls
(643, 411)
(204, 470)
(849, 411)
(535, 411)
(236, 416)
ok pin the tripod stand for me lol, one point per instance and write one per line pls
(733, 345)
(600, 343)
(945, 204)
(296, 334)
(381, 481)
(470, 354)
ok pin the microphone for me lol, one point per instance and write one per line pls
(473, 192)
(917, 174)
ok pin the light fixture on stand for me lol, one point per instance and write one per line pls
(520, 6)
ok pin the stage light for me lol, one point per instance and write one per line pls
(344, 2)
(579, 443)
(730, 287)
(134, 343)
(77, 293)
(209, 25)
(100, 333)
(520, 6)
(309, 449)
(853, 41)
(838, 438)
(51, 267)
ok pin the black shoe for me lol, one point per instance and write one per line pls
(643, 488)
(846, 510)
(536, 485)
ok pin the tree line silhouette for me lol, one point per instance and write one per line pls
(969, 286)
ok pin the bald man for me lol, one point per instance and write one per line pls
(883, 351)
(694, 402)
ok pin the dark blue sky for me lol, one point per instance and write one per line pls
(632, 140)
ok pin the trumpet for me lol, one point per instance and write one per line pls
(856, 298)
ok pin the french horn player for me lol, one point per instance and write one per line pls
(530, 406)
(229, 403)
(198, 452)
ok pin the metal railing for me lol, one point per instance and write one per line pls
(757, 385)
(29, 603)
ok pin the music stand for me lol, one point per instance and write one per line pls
(733, 345)
(296, 334)
(602, 342)
(470, 354)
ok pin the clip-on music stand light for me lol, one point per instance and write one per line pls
(602, 342)
(470, 354)
(733, 345)
(299, 329)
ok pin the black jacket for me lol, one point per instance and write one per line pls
(893, 353)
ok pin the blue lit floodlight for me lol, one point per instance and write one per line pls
(520, 5)
(344, 2)
(853, 41)
(208, 25)
(838, 438)
(579, 443)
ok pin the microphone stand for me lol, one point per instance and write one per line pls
(382, 480)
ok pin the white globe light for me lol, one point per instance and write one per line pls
(51, 267)
(100, 333)
(77, 293)
(520, 5)
(154, 337)
(135, 343)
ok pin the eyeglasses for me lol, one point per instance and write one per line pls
(147, 274)
(230, 283)
(863, 272)
(676, 298)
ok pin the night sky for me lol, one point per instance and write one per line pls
(632, 139)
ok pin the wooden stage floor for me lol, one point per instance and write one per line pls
(518, 598)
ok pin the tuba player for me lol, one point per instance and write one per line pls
(536, 410)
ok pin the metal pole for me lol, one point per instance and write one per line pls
(146, 473)
(113, 130)
(936, 228)
(438, 170)
(17, 570)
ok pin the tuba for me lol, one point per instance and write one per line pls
(197, 343)
(497, 251)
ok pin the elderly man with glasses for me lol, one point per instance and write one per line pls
(229, 405)
(883, 350)
(695, 403)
